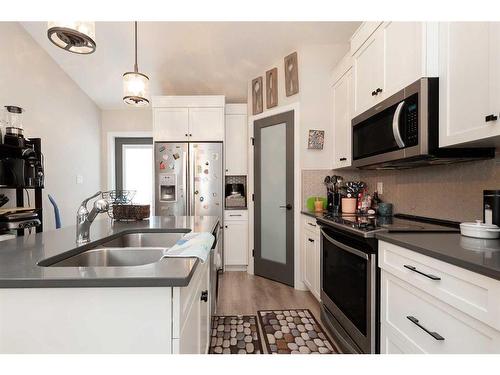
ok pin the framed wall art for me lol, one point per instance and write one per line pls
(316, 139)
(272, 88)
(291, 74)
(257, 100)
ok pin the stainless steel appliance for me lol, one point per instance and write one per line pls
(215, 269)
(188, 179)
(403, 132)
(350, 278)
(491, 207)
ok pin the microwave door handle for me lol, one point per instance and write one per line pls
(395, 125)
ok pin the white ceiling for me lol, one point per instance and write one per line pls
(186, 58)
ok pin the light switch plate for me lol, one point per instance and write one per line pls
(380, 187)
(79, 179)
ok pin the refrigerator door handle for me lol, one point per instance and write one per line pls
(185, 181)
(191, 180)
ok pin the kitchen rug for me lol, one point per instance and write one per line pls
(293, 331)
(238, 334)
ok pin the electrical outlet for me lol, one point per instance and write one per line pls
(380, 187)
(79, 179)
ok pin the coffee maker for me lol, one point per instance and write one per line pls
(491, 207)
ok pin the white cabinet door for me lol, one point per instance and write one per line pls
(495, 73)
(464, 83)
(170, 124)
(368, 65)
(206, 124)
(311, 263)
(342, 153)
(204, 312)
(403, 55)
(236, 243)
(236, 145)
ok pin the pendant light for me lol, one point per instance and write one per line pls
(135, 84)
(76, 36)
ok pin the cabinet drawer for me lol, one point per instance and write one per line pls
(427, 325)
(232, 215)
(311, 225)
(474, 294)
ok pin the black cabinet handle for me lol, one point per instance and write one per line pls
(235, 215)
(374, 93)
(312, 225)
(204, 296)
(414, 269)
(415, 321)
(490, 118)
(310, 240)
(343, 159)
(190, 135)
(225, 226)
(378, 91)
(186, 134)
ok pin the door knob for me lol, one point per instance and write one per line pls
(288, 206)
(204, 296)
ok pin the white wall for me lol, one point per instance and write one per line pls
(316, 63)
(127, 122)
(57, 111)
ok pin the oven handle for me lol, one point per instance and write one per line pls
(345, 247)
(395, 125)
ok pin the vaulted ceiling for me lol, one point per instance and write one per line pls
(184, 58)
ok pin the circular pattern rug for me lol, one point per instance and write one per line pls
(237, 334)
(294, 331)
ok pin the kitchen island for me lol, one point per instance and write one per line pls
(161, 307)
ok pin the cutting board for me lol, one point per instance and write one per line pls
(12, 210)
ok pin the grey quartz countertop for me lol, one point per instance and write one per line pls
(313, 213)
(477, 255)
(19, 257)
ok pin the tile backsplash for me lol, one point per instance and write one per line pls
(453, 192)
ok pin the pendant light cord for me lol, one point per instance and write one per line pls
(136, 69)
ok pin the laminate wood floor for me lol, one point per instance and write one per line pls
(241, 293)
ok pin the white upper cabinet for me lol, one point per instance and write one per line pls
(468, 81)
(342, 100)
(170, 124)
(368, 67)
(403, 55)
(236, 143)
(206, 124)
(188, 118)
(393, 56)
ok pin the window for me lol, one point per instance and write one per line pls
(134, 167)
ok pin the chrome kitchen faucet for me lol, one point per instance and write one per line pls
(84, 218)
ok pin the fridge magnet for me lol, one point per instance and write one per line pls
(272, 88)
(207, 163)
(316, 139)
(291, 74)
(164, 157)
(205, 171)
(162, 165)
(176, 156)
(215, 156)
(202, 199)
(162, 148)
(257, 101)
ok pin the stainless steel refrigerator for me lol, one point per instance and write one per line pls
(189, 179)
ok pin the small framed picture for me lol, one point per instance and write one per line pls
(291, 74)
(272, 88)
(257, 100)
(316, 139)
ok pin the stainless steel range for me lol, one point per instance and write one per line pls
(350, 278)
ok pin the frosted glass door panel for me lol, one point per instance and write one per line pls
(273, 192)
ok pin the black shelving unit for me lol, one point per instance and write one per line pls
(8, 151)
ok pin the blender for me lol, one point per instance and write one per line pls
(13, 117)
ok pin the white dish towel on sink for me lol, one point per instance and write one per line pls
(194, 244)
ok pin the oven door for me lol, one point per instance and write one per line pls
(348, 288)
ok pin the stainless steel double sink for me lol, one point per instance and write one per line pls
(127, 250)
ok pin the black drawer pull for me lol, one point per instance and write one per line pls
(310, 240)
(415, 321)
(235, 215)
(414, 269)
(343, 159)
(312, 225)
(374, 93)
(378, 91)
(490, 118)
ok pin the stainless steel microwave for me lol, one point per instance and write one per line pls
(403, 132)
